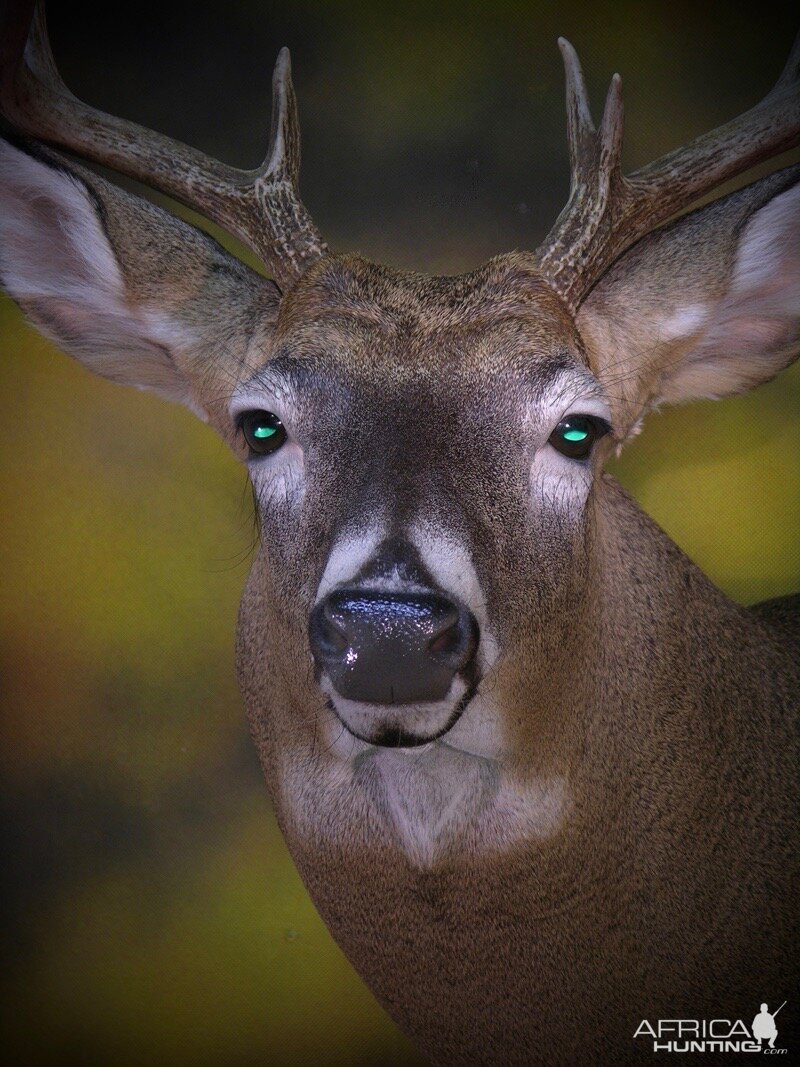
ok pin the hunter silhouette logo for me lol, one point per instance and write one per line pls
(764, 1028)
(713, 1035)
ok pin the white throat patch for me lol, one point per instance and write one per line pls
(430, 801)
(430, 795)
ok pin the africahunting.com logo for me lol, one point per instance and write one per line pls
(713, 1035)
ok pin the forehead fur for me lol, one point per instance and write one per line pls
(507, 295)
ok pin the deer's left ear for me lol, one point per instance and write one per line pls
(707, 306)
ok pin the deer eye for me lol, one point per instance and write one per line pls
(575, 435)
(263, 432)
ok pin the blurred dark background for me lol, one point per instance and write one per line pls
(151, 913)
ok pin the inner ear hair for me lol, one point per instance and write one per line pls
(134, 293)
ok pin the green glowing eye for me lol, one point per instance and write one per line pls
(575, 435)
(263, 432)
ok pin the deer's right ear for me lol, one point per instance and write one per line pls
(706, 306)
(132, 292)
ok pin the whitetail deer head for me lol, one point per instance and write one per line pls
(450, 597)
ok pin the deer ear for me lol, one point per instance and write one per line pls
(707, 306)
(132, 292)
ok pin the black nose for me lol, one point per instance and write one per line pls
(391, 648)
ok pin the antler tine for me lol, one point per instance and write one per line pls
(607, 212)
(261, 207)
(282, 162)
(790, 75)
(595, 179)
(611, 129)
(580, 128)
(39, 55)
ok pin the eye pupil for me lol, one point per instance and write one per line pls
(263, 431)
(575, 435)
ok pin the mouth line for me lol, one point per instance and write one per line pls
(398, 738)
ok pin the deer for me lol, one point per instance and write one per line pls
(535, 769)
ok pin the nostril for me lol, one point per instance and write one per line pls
(447, 641)
(328, 639)
(456, 644)
(333, 640)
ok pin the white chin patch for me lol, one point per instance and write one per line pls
(367, 721)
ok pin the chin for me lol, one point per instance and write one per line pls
(400, 725)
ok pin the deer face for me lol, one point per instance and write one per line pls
(422, 517)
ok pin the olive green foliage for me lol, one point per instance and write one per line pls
(153, 913)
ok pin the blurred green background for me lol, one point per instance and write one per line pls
(151, 912)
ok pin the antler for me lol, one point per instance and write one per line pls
(261, 207)
(608, 212)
